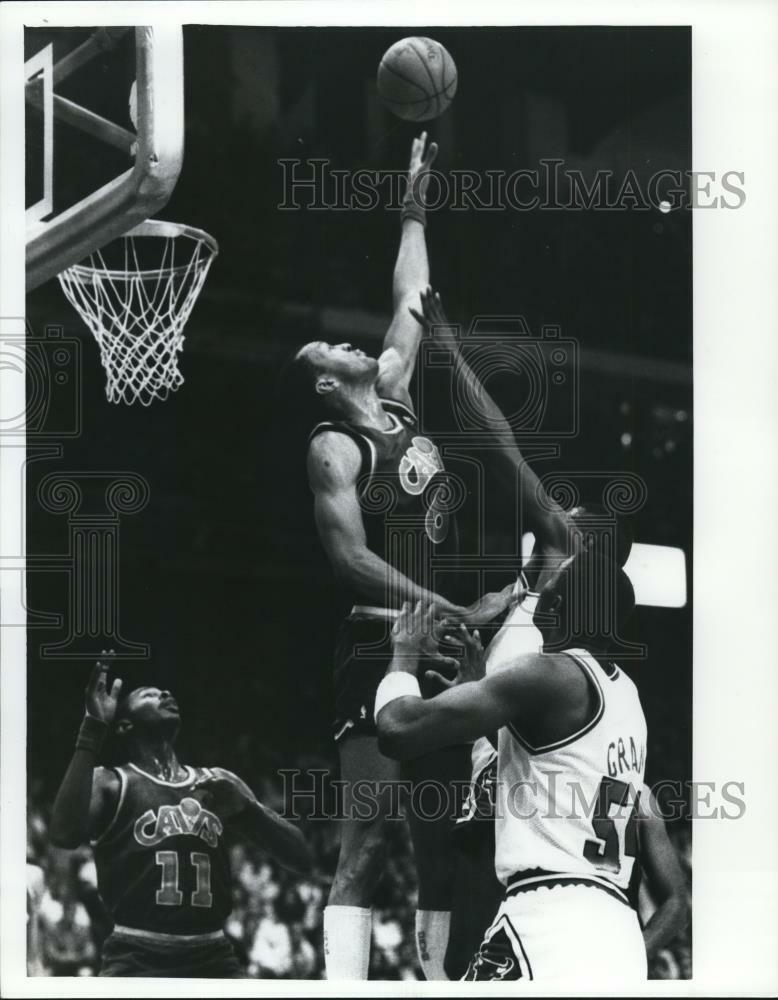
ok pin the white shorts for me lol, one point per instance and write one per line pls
(569, 934)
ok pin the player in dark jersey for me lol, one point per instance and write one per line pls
(383, 508)
(159, 834)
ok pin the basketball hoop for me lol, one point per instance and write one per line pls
(135, 295)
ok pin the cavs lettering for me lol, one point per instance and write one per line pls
(405, 496)
(162, 861)
(418, 465)
(188, 817)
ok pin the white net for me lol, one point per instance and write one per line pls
(135, 295)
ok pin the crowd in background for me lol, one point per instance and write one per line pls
(276, 922)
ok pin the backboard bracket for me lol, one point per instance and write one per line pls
(140, 192)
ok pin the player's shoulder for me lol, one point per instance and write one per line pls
(106, 778)
(332, 454)
(217, 772)
(541, 676)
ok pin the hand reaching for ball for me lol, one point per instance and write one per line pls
(419, 169)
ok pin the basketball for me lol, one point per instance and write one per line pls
(417, 79)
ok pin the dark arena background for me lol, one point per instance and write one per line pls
(220, 573)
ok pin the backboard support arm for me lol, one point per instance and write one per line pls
(145, 188)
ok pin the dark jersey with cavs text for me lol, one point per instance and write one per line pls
(408, 501)
(162, 864)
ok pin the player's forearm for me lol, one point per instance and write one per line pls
(278, 836)
(668, 920)
(367, 573)
(411, 270)
(70, 816)
(511, 464)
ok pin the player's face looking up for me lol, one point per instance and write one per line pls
(587, 600)
(336, 364)
(149, 711)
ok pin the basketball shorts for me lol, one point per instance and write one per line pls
(363, 651)
(474, 825)
(578, 934)
(204, 956)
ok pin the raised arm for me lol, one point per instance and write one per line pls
(542, 515)
(411, 275)
(665, 877)
(334, 464)
(88, 794)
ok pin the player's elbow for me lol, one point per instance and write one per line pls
(348, 563)
(390, 745)
(393, 741)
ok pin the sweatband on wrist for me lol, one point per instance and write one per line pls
(91, 735)
(412, 209)
(398, 684)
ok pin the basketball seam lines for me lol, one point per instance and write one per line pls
(433, 84)
(405, 79)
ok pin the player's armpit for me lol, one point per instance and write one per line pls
(105, 799)
(397, 362)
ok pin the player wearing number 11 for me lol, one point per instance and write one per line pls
(159, 833)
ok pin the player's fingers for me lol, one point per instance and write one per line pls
(116, 687)
(401, 620)
(438, 678)
(95, 675)
(446, 661)
(432, 152)
(417, 316)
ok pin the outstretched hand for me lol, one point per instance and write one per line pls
(486, 608)
(417, 634)
(101, 703)
(419, 168)
(432, 316)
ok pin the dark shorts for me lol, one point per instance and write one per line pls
(362, 654)
(474, 825)
(131, 956)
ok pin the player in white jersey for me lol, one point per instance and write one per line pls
(571, 759)
(558, 534)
